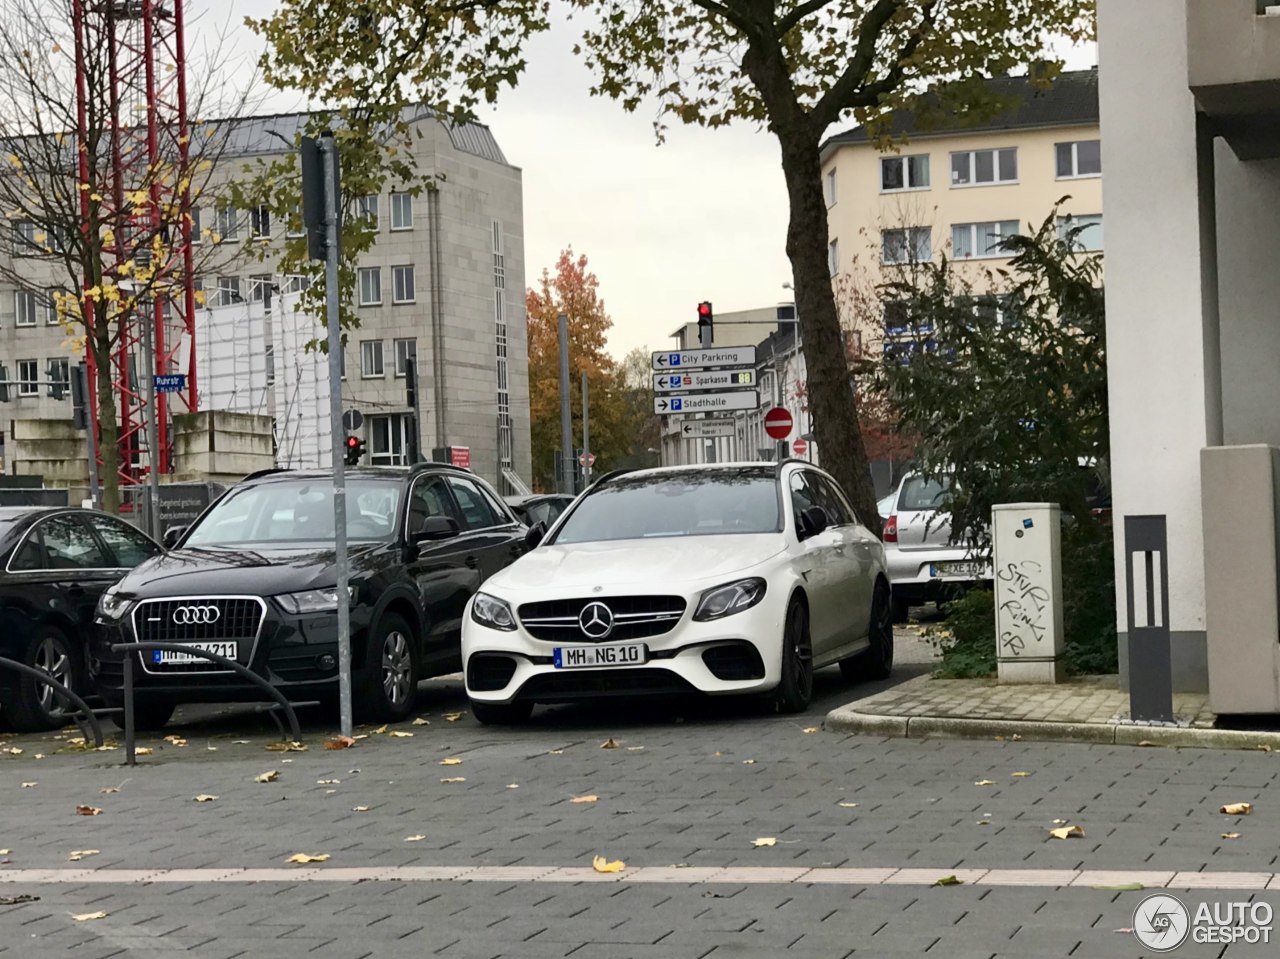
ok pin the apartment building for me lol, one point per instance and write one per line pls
(443, 284)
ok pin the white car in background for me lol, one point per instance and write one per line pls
(720, 579)
(922, 561)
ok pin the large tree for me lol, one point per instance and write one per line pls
(796, 67)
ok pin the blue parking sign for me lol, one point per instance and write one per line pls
(674, 359)
(677, 404)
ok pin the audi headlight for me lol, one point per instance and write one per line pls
(313, 600)
(113, 607)
(729, 599)
(492, 612)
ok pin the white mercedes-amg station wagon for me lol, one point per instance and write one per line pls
(723, 579)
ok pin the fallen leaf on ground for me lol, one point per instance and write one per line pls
(267, 777)
(328, 782)
(399, 734)
(1145, 742)
(809, 729)
(1263, 747)
(555, 752)
(17, 900)
(239, 742)
(847, 805)
(601, 864)
(764, 841)
(29, 785)
(453, 717)
(205, 797)
(451, 761)
(984, 822)
(1020, 775)
(212, 749)
(1230, 835)
(748, 762)
(87, 811)
(1237, 809)
(513, 785)
(339, 742)
(85, 916)
(303, 857)
(1059, 822)
(291, 747)
(985, 782)
(14, 751)
(634, 749)
(609, 744)
(1016, 738)
(380, 730)
(421, 722)
(948, 881)
(78, 854)
(359, 808)
(38, 756)
(418, 838)
(582, 799)
(1066, 832)
(455, 779)
(176, 740)
(143, 751)
(5, 852)
(1128, 931)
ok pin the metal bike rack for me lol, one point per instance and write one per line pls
(129, 743)
(41, 676)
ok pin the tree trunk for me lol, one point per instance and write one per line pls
(108, 428)
(832, 403)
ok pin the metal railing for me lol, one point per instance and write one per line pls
(39, 675)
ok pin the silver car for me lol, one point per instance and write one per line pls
(919, 555)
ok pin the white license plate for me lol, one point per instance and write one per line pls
(577, 657)
(958, 569)
(165, 657)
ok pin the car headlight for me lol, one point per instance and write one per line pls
(313, 600)
(729, 599)
(492, 612)
(113, 607)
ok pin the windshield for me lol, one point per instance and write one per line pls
(298, 511)
(921, 495)
(684, 503)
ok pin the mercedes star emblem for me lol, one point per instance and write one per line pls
(596, 621)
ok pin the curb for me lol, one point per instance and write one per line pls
(845, 719)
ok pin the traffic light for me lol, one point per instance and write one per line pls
(355, 450)
(705, 320)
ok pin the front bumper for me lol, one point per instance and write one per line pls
(738, 654)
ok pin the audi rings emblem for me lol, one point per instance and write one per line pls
(596, 621)
(196, 615)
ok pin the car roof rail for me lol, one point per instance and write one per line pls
(434, 464)
(604, 478)
(258, 474)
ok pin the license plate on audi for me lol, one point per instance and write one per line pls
(578, 657)
(167, 657)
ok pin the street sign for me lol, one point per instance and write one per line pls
(352, 420)
(707, 429)
(172, 383)
(585, 459)
(707, 402)
(708, 380)
(799, 447)
(777, 423)
(702, 359)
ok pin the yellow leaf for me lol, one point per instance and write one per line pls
(1237, 809)
(339, 742)
(809, 729)
(948, 881)
(380, 730)
(764, 841)
(5, 852)
(399, 734)
(78, 854)
(85, 916)
(453, 717)
(1263, 747)
(583, 799)
(143, 751)
(601, 864)
(88, 811)
(513, 785)
(29, 785)
(985, 782)
(293, 747)
(108, 790)
(328, 782)
(748, 762)
(304, 857)
(1020, 775)
(1230, 835)
(609, 744)
(205, 797)
(455, 779)
(267, 777)
(1067, 832)
(451, 761)
(359, 808)
(421, 722)
(555, 752)
(847, 805)
(414, 838)
(14, 751)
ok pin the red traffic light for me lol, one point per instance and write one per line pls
(704, 309)
(353, 442)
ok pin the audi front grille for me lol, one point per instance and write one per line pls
(634, 617)
(203, 619)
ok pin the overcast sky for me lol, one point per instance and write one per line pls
(702, 217)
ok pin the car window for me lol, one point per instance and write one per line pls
(540, 513)
(429, 498)
(293, 511)
(920, 494)
(68, 544)
(129, 545)
(30, 554)
(495, 502)
(831, 498)
(478, 512)
(802, 495)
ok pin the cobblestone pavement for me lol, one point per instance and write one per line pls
(690, 786)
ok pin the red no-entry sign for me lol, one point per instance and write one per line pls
(799, 447)
(777, 423)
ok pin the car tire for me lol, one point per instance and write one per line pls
(795, 688)
(875, 662)
(34, 707)
(901, 611)
(501, 714)
(389, 679)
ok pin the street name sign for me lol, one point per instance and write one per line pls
(703, 380)
(171, 383)
(704, 359)
(707, 402)
(707, 429)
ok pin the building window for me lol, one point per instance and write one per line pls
(370, 285)
(499, 260)
(296, 283)
(833, 257)
(904, 173)
(59, 376)
(1080, 158)
(405, 350)
(28, 377)
(367, 211)
(829, 187)
(24, 238)
(293, 223)
(402, 287)
(260, 289)
(50, 304)
(969, 240)
(506, 443)
(260, 222)
(388, 440)
(976, 167)
(911, 245)
(1089, 226)
(229, 290)
(24, 307)
(402, 211)
(196, 235)
(371, 359)
(228, 223)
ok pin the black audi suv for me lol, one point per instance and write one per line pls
(253, 580)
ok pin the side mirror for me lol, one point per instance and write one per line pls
(534, 536)
(171, 536)
(436, 527)
(811, 522)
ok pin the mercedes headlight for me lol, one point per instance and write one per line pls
(492, 612)
(729, 599)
